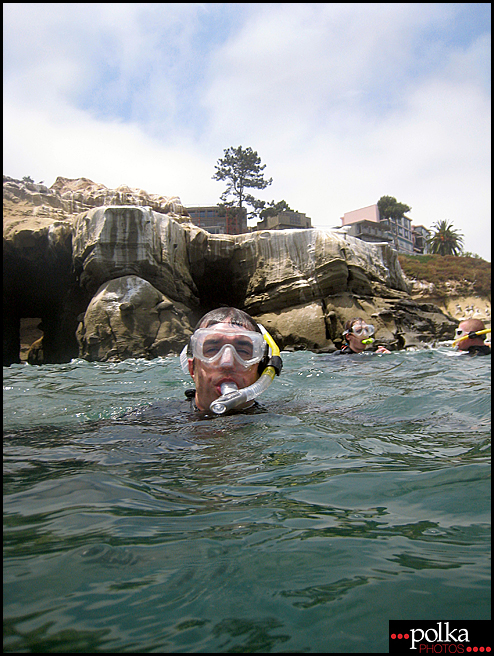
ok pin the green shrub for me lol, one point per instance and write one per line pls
(440, 269)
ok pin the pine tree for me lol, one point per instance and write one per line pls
(242, 169)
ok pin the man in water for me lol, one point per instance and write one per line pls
(226, 355)
(227, 351)
(468, 340)
(357, 336)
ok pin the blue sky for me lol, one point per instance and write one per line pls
(344, 103)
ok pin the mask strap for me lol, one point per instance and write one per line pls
(184, 360)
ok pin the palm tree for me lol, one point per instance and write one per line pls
(445, 240)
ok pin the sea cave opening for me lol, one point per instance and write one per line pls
(220, 286)
(30, 331)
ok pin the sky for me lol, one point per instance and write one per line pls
(344, 103)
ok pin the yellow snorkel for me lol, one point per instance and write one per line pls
(231, 398)
(471, 335)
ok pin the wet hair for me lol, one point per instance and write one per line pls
(228, 315)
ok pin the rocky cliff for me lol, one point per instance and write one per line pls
(113, 274)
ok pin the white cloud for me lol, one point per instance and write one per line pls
(73, 144)
(343, 102)
(314, 102)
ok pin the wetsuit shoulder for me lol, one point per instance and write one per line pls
(479, 350)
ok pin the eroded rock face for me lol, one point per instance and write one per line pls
(275, 269)
(81, 194)
(318, 326)
(133, 280)
(35, 194)
(111, 242)
(38, 281)
(129, 318)
(70, 196)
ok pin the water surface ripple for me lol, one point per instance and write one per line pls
(361, 494)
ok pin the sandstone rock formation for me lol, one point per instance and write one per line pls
(38, 281)
(460, 302)
(110, 242)
(129, 318)
(128, 276)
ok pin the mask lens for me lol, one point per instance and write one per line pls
(209, 345)
(362, 330)
(459, 332)
(213, 345)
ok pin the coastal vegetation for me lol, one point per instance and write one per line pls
(390, 208)
(272, 209)
(473, 274)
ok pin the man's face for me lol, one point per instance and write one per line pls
(463, 329)
(226, 367)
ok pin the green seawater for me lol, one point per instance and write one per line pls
(361, 495)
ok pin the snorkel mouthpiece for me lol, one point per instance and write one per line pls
(228, 386)
(227, 400)
(233, 399)
(230, 398)
(369, 340)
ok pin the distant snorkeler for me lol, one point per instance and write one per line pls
(358, 337)
(470, 336)
(232, 360)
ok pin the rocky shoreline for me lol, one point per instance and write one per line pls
(114, 274)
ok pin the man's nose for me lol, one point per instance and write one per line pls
(227, 357)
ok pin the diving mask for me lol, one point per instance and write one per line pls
(362, 329)
(211, 344)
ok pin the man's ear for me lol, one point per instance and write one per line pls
(191, 367)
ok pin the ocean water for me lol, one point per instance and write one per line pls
(361, 495)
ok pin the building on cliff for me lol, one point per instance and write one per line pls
(420, 235)
(287, 220)
(229, 221)
(219, 220)
(367, 224)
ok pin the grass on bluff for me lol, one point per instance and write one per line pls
(473, 272)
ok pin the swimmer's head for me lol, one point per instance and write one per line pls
(227, 329)
(227, 346)
(465, 336)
